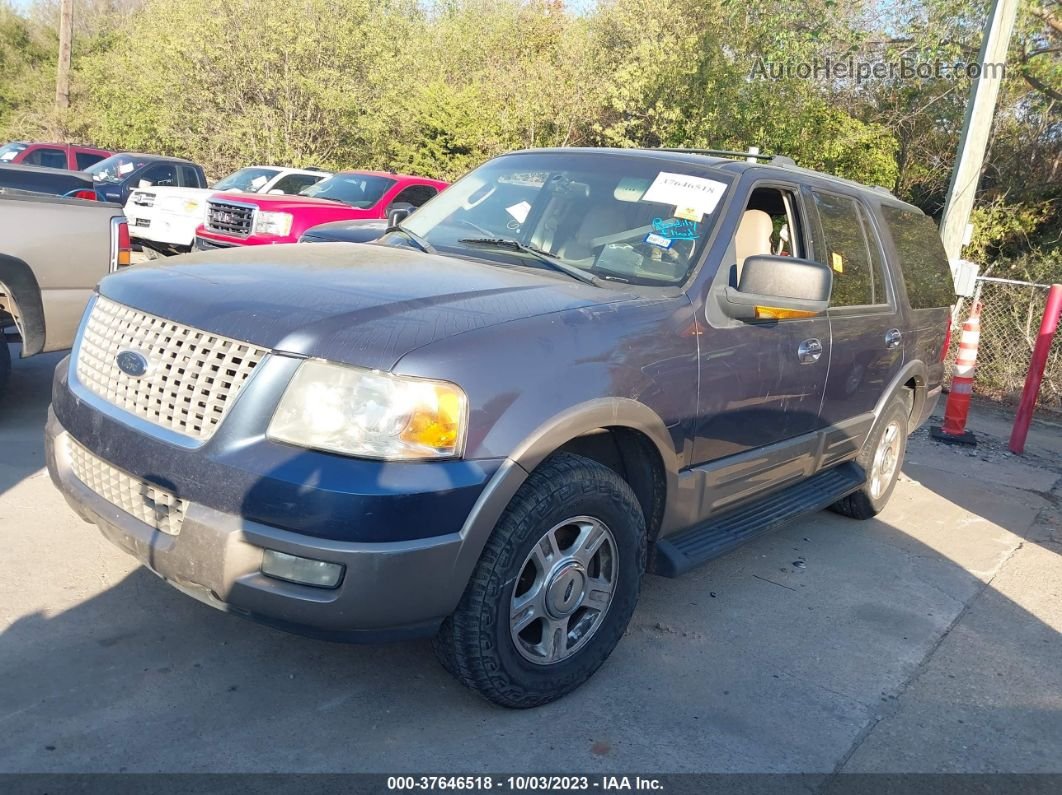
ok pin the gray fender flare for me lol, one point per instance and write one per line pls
(915, 369)
(572, 423)
(21, 285)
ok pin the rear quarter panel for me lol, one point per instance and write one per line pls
(67, 245)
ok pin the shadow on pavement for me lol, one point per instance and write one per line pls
(23, 411)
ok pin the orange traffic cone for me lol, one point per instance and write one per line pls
(958, 406)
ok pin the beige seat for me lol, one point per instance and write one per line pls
(753, 237)
(599, 222)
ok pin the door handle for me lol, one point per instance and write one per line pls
(893, 338)
(809, 351)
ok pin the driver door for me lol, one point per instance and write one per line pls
(761, 382)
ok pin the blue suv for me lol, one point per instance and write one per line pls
(572, 367)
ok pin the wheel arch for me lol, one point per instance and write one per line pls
(19, 283)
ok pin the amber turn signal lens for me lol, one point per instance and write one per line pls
(437, 421)
(777, 313)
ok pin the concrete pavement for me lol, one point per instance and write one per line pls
(927, 639)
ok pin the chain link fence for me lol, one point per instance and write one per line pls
(1011, 312)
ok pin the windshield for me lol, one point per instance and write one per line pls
(620, 217)
(357, 190)
(116, 168)
(250, 180)
(10, 151)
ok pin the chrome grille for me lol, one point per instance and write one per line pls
(142, 199)
(192, 376)
(228, 218)
(150, 504)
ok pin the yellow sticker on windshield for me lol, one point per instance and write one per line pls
(688, 214)
(837, 262)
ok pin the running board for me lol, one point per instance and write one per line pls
(678, 554)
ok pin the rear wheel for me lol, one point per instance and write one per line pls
(881, 459)
(554, 589)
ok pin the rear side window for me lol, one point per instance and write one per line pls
(922, 258)
(190, 177)
(851, 252)
(86, 159)
(415, 194)
(49, 158)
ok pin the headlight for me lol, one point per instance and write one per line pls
(278, 224)
(370, 414)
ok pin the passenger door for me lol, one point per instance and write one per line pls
(761, 382)
(864, 316)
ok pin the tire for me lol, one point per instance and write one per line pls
(535, 562)
(5, 361)
(881, 460)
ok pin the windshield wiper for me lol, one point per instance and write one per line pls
(418, 241)
(537, 253)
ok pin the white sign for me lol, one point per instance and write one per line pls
(519, 211)
(688, 193)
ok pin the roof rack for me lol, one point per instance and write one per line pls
(775, 160)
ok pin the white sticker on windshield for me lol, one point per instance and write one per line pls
(259, 181)
(695, 194)
(8, 155)
(519, 211)
(125, 168)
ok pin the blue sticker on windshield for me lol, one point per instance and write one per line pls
(676, 229)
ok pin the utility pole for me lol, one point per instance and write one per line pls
(66, 31)
(980, 109)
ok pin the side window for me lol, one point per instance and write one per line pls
(924, 263)
(190, 177)
(49, 158)
(86, 159)
(770, 225)
(852, 251)
(162, 175)
(415, 195)
(293, 183)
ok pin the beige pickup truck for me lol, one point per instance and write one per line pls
(52, 253)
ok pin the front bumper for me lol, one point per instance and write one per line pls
(388, 591)
(407, 535)
(205, 240)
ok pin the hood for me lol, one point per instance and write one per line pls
(347, 231)
(366, 305)
(289, 203)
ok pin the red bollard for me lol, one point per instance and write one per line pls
(1048, 326)
(957, 408)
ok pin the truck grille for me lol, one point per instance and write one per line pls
(150, 504)
(142, 199)
(228, 218)
(192, 376)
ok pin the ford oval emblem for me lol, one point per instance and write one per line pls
(132, 363)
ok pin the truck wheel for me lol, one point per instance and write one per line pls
(881, 459)
(554, 589)
(5, 361)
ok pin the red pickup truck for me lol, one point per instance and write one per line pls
(255, 219)
(66, 156)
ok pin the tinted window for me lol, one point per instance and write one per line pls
(858, 279)
(357, 190)
(190, 177)
(86, 159)
(293, 183)
(922, 258)
(415, 194)
(162, 175)
(116, 168)
(49, 158)
(251, 179)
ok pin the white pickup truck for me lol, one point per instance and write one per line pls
(163, 220)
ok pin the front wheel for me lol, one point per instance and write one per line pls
(554, 589)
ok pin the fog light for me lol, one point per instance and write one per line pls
(304, 571)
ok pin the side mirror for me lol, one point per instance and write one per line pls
(778, 288)
(144, 183)
(398, 212)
